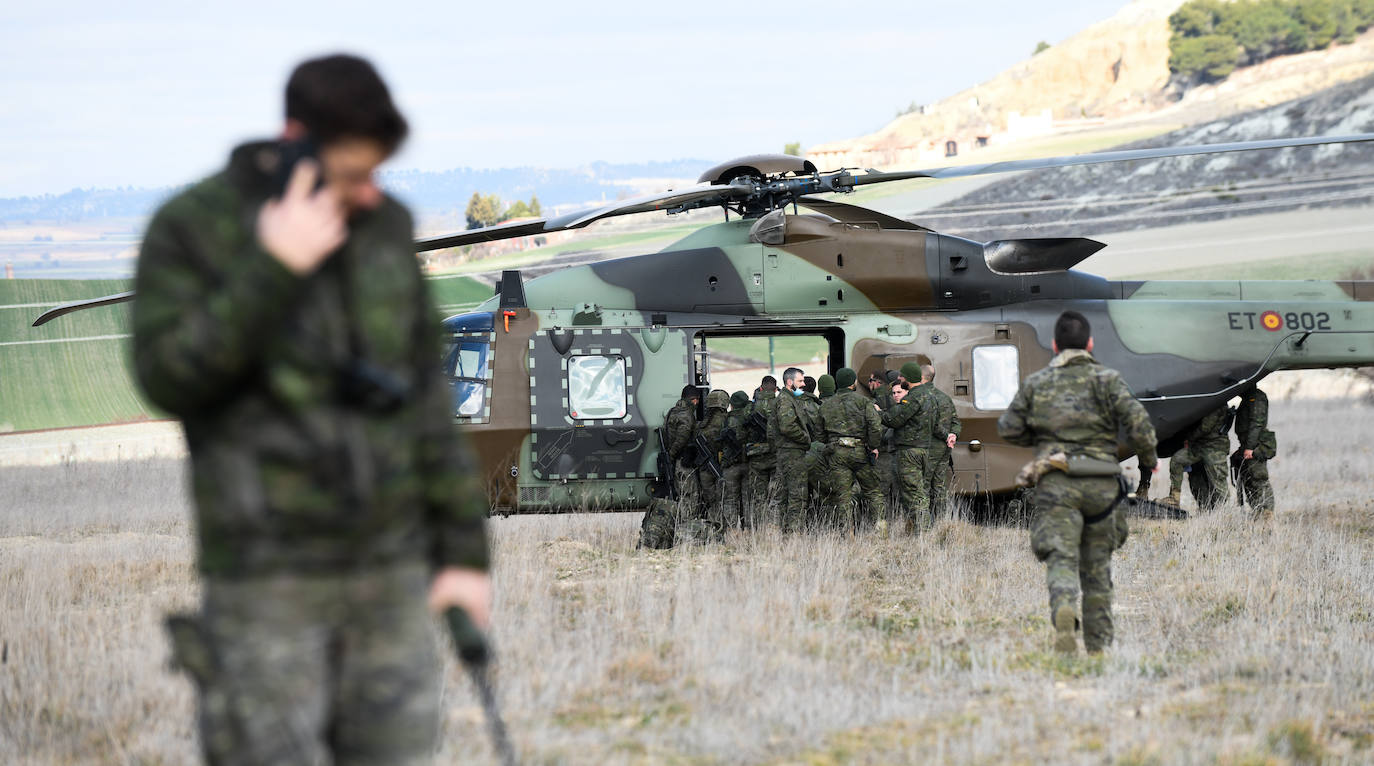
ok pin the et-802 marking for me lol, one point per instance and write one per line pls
(1273, 321)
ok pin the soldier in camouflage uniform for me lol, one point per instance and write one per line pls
(913, 420)
(792, 429)
(1203, 455)
(660, 521)
(888, 471)
(852, 431)
(947, 430)
(733, 465)
(1257, 447)
(1073, 410)
(817, 466)
(717, 409)
(292, 333)
(759, 451)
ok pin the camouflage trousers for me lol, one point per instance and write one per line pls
(889, 476)
(733, 484)
(1078, 554)
(793, 488)
(1207, 474)
(938, 470)
(315, 669)
(912, 468)
(847, 466)
(660, 520)
(1255, 488)
(758, 507)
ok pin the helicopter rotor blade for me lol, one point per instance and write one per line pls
(695, 196)
(68, 308)
(1124, 155)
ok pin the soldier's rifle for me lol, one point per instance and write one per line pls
(665, 487)
(705, 457)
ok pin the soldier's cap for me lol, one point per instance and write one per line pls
(825, 384)
(845, 377)
(912, 372)
(891, 376)
(739, 399)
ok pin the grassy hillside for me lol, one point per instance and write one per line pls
(75, 370)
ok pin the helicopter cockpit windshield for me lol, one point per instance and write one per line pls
(467, 364)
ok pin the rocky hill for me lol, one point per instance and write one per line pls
(1113, 68)
(1091, 199)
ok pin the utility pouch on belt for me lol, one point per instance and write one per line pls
(848, 441)
(192, 650)
(1081, 465)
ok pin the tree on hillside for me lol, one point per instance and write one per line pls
(1040, 47)
(1265, 29)
(536, 209)
(793, 148)
(483, 210)
(1206, 59)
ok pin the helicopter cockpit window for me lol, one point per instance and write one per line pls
(996, 376)
(596, 387)
(466, 366)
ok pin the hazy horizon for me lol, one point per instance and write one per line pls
(165, 90)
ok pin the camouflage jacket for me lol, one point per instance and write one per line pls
(1210, 433)
(883, 397)
(914, 420)
(1077, 406)
(763, 405)
(733, 438)
(296, 465)
(792, 423)
(947, 419)
(681, 423)
(1252, 418)
(850, 414)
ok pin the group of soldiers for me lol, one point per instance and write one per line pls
(1204, 458)
(818, 452)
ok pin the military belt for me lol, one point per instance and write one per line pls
(847, 441)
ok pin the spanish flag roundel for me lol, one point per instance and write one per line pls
(1271, 321)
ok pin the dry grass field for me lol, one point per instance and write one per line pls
(1238, 643)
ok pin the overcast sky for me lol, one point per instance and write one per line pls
(102, 94)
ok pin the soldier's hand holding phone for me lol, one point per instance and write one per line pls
(302, 227)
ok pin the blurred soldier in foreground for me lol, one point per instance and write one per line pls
(1203, 457)
(1071, 412)
(1257, 447)
(947, 430)
(732, 461)
(680, 425)
(759, 451)
(852, 431)
(291, 332)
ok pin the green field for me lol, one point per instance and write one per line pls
(75, 370)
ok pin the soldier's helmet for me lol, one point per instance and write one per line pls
(718, 399)
(739, 399)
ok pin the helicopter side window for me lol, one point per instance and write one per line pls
(596, 387)
(466, 369)
(996, 376)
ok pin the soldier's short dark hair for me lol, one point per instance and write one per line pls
(1072, 330)
(791, 373)
(769, 383)
(809, 384)
(690, 391)
(342, 96)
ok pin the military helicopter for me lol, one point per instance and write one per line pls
(561, 380)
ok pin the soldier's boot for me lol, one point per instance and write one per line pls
(1174, 498)
(1065, 637)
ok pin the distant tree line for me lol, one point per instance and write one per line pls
(1213, 37)
(488, 210)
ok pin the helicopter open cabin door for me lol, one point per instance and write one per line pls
(591, 431)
